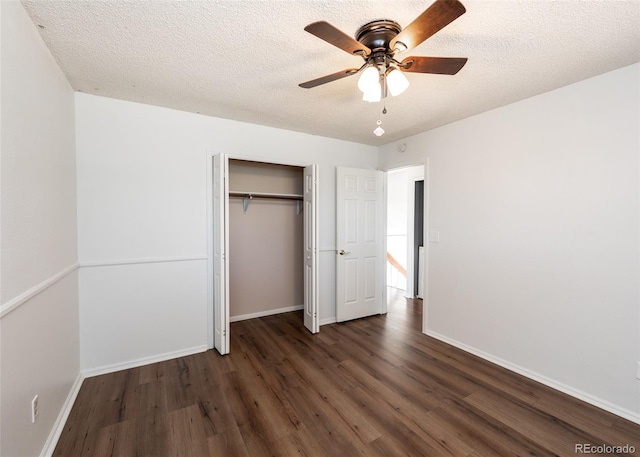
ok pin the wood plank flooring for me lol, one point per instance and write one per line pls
(371, 387)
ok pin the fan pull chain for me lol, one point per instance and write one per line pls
(379, 131)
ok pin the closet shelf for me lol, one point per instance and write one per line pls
(246, 196)
(265, 195)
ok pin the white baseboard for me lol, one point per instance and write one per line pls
(580, 395)
(143, 361)
(329, 320)
(61, 420)
(270, 312)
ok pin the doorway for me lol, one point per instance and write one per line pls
(405, 230)
(418, 240)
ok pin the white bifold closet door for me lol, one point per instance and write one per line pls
(221, 250)
(220, 258)
(311, 248)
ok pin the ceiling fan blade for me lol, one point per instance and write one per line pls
(330, 34)
(328, 78)
(435, 65)
(433, 19)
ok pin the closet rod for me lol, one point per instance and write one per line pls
(247, 196)
(265, 195)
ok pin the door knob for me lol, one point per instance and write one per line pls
(343, 252)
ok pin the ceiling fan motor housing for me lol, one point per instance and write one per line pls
(376, 35)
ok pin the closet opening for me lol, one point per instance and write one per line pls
(262, 243)
(266, 239)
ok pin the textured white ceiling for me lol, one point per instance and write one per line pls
(244, 59)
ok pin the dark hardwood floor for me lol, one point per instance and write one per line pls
(370, 387)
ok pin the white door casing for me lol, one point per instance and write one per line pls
(310, 212)
(220, 257)
(360, 245)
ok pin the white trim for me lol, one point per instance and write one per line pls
(580, 395)
(425, 243)
(109, 263)
(269, 312)
(209, 238)
(143, 361)
(250, 158)
(29, 294)
(328, 320)
(383, 279)
(61, 420)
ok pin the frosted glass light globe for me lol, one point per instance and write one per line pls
(369, 79)
(374, 94)
(397, 82)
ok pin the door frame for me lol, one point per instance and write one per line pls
(210, 227)
(425, 230)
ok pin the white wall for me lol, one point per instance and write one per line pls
(38, 260)
(537, 205)
(142, 196)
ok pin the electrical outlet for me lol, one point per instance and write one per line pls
(34, 409)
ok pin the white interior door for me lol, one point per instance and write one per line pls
(220, 258)
(360, 246)
(311, 249)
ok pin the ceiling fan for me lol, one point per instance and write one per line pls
(378, 42)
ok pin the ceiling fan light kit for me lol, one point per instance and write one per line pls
(379, 41)
(374, 95)
(396, 82)
(374, 80)
(369, 79)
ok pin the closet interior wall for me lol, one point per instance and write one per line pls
(266, 255)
